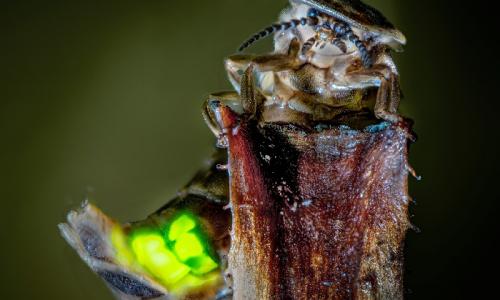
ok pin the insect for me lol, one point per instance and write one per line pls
(331, 57)
(331, 63)
(177, 252)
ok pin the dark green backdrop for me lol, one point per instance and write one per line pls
(101, 99)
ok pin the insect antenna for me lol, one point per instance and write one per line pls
(308, 45)
(311, 21)
(345, 31)
(339, 43)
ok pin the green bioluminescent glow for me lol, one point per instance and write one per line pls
(179, 255)
(152, 253)
(187, 246)
(182, 224)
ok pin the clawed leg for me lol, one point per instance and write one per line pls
(236, 65)
(388, 95)
(251, 98)
(251, 84)
(231, 99)
(388, 98)
(242, 69)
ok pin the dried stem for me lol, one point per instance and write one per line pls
(317, 214)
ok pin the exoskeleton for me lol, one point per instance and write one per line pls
(331, 58)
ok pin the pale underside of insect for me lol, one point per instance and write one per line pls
(331, 64)
(330, 58)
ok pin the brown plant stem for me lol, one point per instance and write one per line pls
(319, 213)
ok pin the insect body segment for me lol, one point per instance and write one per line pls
(176, 253)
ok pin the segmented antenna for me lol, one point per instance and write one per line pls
(341, 30)
(345, 31)
(339, 43)
(310, 21)
(365, 54)
(308, 45)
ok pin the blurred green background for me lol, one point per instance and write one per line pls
(101, 100)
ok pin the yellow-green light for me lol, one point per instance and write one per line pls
(188, 245)
(182, 224)
(152, 253)
(179, 256)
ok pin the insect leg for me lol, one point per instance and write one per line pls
(387, 101)
(308, 46)
(383, 76)
(339, 43)
(279, 62)
(236, 65)
(231, 99)
(251, 98)
(345, 31)
(252, 91)
(395, 96)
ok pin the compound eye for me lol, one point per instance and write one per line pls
(312, 13)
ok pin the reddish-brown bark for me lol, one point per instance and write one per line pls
(318, 213)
